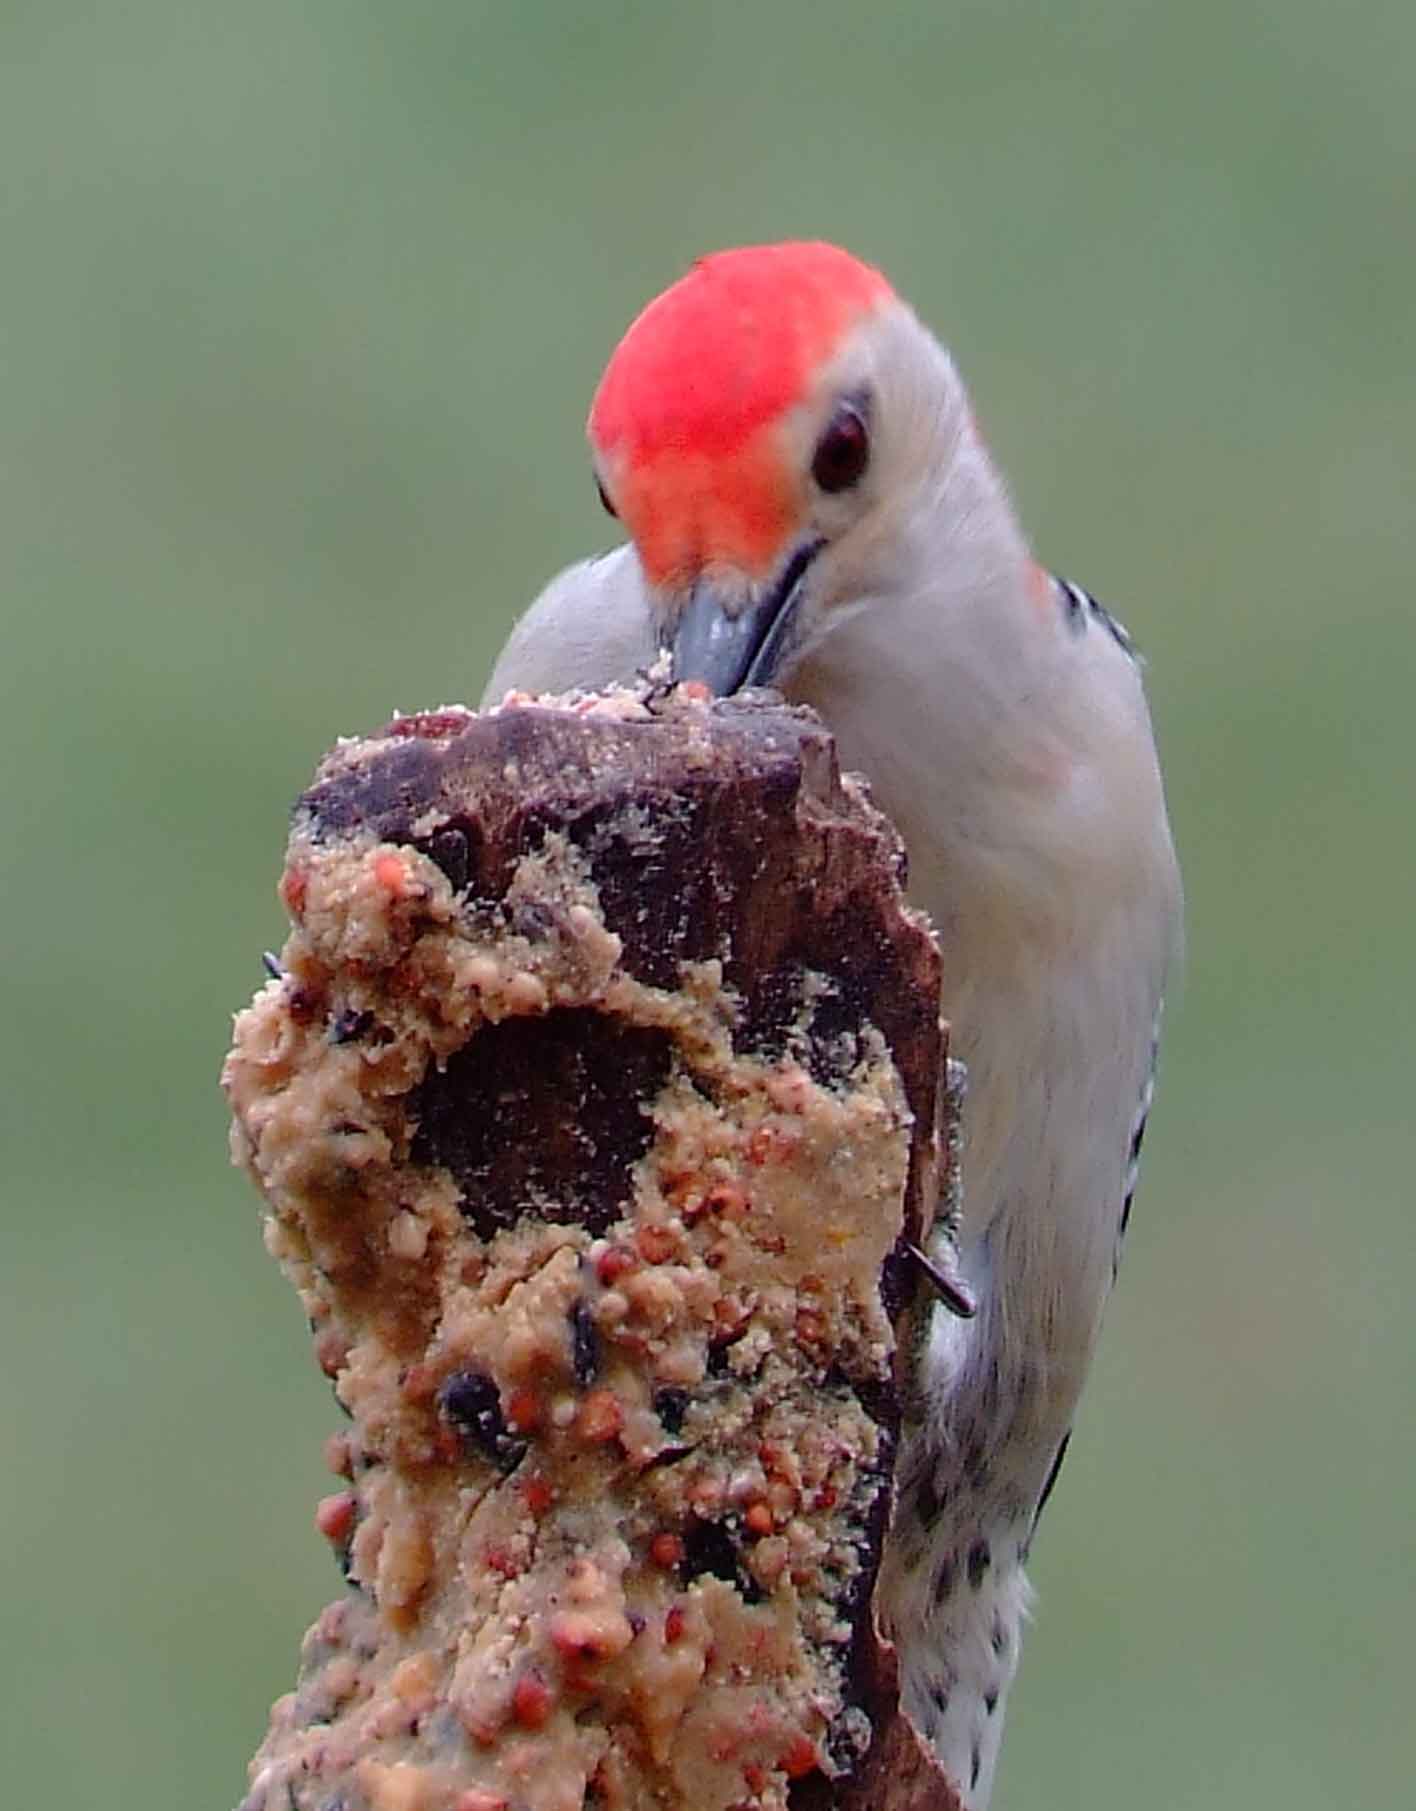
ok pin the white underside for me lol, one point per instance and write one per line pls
(1016, 758)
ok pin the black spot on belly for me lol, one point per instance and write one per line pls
(943, 1583)
(979, 1560)
(929, 1505)
(975, 1461)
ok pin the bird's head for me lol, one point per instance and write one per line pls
(764, 431)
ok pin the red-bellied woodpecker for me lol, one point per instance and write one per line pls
(810, 505)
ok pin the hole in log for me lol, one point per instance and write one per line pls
(495, 1117)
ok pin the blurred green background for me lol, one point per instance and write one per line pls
(301, 309)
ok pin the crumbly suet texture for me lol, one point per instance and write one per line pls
(601, 1290)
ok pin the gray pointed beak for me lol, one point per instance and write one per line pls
(728, 653)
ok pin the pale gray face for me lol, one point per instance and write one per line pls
(852, 462)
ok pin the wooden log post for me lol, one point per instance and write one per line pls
(593, 1101)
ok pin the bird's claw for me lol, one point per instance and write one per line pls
(945, 1281)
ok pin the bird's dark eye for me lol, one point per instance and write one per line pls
(610, 509)
(843, 451)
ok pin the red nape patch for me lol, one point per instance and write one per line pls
(728, 348)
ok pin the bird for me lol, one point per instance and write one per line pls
(809, 504)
